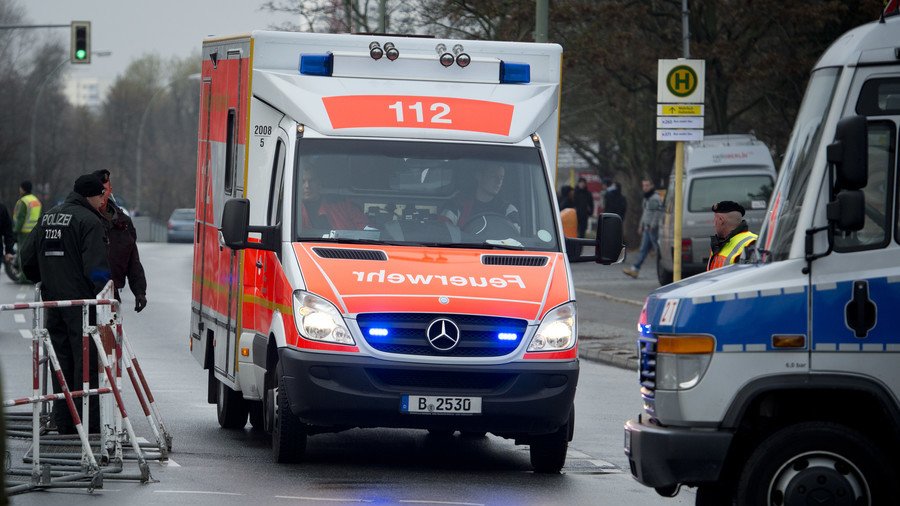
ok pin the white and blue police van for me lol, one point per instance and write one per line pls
(777, 382)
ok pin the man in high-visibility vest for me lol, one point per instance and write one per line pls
(732, 235)
(25, 216)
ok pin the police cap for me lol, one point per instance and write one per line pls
(88, 185)
(728, 206)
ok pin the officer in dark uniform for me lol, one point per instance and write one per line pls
(67, 251)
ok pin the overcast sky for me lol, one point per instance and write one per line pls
(132, 28)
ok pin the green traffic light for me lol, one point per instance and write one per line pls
(80, 54)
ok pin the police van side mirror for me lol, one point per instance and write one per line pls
(847, 211)
(236, 226)
(236, 223)
(849, 154)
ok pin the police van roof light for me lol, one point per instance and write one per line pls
(375, 51)
(316, 64)
(515, 73)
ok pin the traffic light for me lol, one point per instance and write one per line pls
(81, 42)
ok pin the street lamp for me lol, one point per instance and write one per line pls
(140, 135)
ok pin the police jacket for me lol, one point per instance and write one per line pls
(124, 260)
(729, 250)
(68, 247)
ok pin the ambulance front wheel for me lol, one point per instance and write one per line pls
(548, 452)
(231, 409)
(817, 463)
(288, 432)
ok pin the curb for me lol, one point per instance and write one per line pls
(620, 359)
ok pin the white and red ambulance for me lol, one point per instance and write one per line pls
(377, 239)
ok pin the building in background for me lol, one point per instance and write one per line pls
(85, 91)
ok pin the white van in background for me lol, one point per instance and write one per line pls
(734, 167)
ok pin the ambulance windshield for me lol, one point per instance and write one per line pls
(423, 193)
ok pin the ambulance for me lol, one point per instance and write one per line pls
(778, 382)
(378, 243)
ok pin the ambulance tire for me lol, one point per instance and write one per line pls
(548, 452)
(231, 409)
(662, 275)
(288, 433)
(832, 461)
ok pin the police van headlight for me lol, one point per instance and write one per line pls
(318, 320)
(557, 331)
(682, 360)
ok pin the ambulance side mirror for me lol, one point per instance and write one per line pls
(236, 223)
(610, 246)
(236, 226)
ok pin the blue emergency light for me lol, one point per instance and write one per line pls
(316, 64)
(378, 332)
(507, 336)
(515, 73)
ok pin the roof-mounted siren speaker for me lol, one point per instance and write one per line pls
(391, 51)
(375, 50)
(462, 59)
(444, 57)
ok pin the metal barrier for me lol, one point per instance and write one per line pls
(84, 470)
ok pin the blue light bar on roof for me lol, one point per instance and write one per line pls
(316, 64)
(515, 73)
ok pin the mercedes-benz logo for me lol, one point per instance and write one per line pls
(442, 334)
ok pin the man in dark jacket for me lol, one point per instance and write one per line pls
(613, 200)
(67, 250)
(584, 205)
(7, 239)
(124, 261)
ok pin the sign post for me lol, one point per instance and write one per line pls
(680, 93)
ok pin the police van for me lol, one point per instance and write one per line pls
(778, 382)
(736, 167)
(378, 243)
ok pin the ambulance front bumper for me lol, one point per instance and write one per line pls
(345, 391)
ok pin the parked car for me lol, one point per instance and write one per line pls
(181, 225)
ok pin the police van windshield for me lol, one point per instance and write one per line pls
(423, 193)
(777, 233)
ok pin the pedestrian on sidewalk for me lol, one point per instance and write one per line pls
(613, 200)
(732, 237)
(651, 218)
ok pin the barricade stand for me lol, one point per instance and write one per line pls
(83, 471)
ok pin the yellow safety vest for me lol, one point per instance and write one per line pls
(731, 251)
(32, 212)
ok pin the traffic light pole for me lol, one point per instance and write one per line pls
(37, 101)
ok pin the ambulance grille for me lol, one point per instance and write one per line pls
(455, 380)
(647, 365)
(351, 254)
(524, 261)
(479, 336)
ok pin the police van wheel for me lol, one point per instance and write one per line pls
(231, 409)
(548, 452)
(817, 461)
(288, 433)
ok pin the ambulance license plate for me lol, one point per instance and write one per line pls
(440, 405)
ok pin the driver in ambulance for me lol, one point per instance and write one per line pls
(327, 213)
(485, 201)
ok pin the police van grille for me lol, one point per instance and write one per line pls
(647, 365)
(406, 334)
(351, 254)
(523, 261)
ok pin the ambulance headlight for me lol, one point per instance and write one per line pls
(318, 320)
(558, 331)
(682, 360)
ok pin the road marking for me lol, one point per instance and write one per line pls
(21, 295)
(327, 499)
(19, 318)
(194, 492)
(172, 463)
(613, 298)
(416, 501)
(575, 454)
(26, 334)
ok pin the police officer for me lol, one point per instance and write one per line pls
(732, 235)
(124, 260)
(25, 216)
(69, 249)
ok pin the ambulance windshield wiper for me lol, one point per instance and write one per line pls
(348, 240)
(483, 245)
